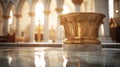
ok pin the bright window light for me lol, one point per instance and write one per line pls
(39, 18)
(65, 9)
(11, 17)
(111, 8)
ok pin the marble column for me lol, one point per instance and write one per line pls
(59, 10)
(32, 27)
(5, 26)
(46, 26)
(46, 20)
(18, 31)
(77, 4)
(101, 6)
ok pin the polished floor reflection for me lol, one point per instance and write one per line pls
(56, 57)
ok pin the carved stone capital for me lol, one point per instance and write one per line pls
(18, 15)
(46, 12)
(77, 2)
(6, 16)
(31, 14)
(59, 10)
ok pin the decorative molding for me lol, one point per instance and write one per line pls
(77, 2)
(18, 15)
(6, 16)
(31, 14)
(46, 12)
(59, 10)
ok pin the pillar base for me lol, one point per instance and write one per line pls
(45, 40)
(82, 47)
(59, 41)
(105, 39)
(31, 40)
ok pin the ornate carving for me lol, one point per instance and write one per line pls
(6, 16)
(59, 10)
(31, 14)
(18, 15)
(46, 12)
(77, 2)
(81, 27)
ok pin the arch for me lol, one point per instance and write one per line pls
(3, 7)
(22, 2)
(1, 4)
(20, 6)
(34, 4)
(7, 11)
(10, 5)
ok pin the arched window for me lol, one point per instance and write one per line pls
(39, 16)
(111, 9)
(12, 20)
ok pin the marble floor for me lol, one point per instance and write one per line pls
(57, 57)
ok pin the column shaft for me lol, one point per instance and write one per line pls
(77, 8)
(46, 19)
(77, 4)
(45, 34)
(101, 6)
(5, 26)
(18, 30)
(59, 10)
(59, 33)
(46, 26)
(32, 27)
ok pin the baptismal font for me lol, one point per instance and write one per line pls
(81, 35)
(81, 29)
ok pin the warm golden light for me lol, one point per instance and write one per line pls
(117, 11)
(65, 9)
(11, 17)
(39, 59)
(65, 61)
(111, 8)
(102, 29)
(39, 18)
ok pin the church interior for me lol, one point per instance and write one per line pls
(59, 33)
(37, 20)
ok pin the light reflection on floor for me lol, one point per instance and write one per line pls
(39, 59)
(56, 57)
